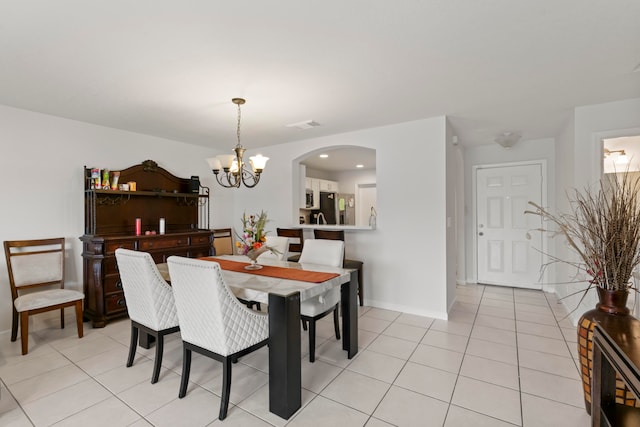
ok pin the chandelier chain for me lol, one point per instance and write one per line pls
(232, 171)
(238, 128)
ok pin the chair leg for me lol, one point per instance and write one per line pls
(24, 331)
(14, 325)
(62, 318)
(158, 362)
(312, 340)
(79, 319)
(226, 388)
(360, 294)
(304, 324)
(132, 345)
(186, 368)
(336, 321)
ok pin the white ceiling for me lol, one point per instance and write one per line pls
(342, 159)
(170, 68)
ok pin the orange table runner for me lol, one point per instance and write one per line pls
(277, 272)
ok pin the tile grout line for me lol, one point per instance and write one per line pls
(515, 324)
(455, 384)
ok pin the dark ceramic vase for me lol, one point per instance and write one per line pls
(611, 303)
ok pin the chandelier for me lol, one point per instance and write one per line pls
(234, 170)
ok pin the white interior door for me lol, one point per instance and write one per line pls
(505, 256)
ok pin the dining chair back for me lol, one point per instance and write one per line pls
(296, 241)
(280, 244)
(323, 252)
(223, 241)
(150, 302)
(37, 267)
(347, 263)
(212, 321)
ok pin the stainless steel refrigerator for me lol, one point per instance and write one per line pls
(346, 208)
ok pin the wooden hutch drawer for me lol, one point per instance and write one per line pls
(112, 283)
(161, 256)
(110, 265)
(162, 243)
(199, 240)
(110, 247)
(115, 303)
(199, 252)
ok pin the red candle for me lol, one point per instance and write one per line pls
(138, 226)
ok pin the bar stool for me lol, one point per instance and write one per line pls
(347, 263)
(295, 246)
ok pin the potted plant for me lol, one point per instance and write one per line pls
(603, 229)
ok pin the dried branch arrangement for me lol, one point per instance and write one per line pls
(603, 229)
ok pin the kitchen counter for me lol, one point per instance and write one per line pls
(334, 227)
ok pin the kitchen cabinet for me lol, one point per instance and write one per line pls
(328, 186)
(313, 185)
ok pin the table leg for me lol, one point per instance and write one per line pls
(285, 354)
(349, 301)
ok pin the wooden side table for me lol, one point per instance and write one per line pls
(616, 348)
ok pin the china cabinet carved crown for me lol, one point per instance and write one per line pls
(110, 223)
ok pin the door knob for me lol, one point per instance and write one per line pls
(481, 234)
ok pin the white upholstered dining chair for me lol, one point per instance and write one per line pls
(280, 244)
(37, 268)
(212, 320)
(150, 302)
(323, 252)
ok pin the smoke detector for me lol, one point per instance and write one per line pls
(307, 124)
(508, 139)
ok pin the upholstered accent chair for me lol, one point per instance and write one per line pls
(37, 267)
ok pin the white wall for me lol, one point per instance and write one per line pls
(541, 149)
(454, 184)
(581, 153)
(404, 257)
(41, 167)
(348, 180)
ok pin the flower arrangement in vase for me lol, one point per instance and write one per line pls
(603, 229)
(253, 240)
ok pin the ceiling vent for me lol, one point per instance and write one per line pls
(508, 139)
(307, 124)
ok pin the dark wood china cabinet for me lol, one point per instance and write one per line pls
(110, 223)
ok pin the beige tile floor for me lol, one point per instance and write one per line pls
(505, 357)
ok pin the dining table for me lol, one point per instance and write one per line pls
(282, 285)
